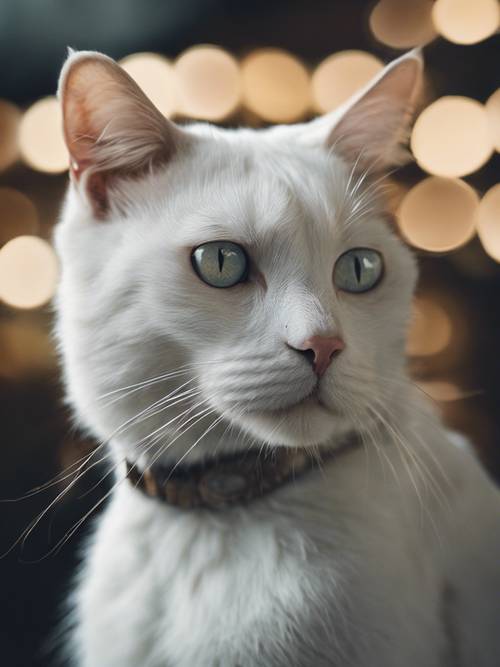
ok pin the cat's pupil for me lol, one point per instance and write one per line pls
(220, 255)
(357, 268)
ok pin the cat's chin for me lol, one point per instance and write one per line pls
(307, 423)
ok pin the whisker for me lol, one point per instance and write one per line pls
(78, 474)
(197, 418)
(420, 468)
(79, 466)
(69, 534)
(210, 428)
(113, 469)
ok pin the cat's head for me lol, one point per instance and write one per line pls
(226, 286)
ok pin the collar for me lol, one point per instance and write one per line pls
(234, 479)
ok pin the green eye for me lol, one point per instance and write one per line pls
(220, 263)
(358, 270)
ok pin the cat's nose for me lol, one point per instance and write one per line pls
(320, 350)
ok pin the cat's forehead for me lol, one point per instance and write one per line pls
(255, 192)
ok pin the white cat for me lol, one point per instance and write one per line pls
(238, 296)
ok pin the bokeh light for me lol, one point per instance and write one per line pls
(438, 214)
(9, 126)
(488, 222)
(41, 137)
(18, 215)
(276, 85)
(403, 25)
(466, 21)
(208, 83)
(492, 107)
(430, 328)
(155, 76)
(341, 75)
(28, 272)
(451, 137)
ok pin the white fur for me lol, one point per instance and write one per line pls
(386, 557)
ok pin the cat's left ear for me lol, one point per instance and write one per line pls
(372, 127)
(112, 130)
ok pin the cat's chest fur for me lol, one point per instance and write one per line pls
(315, 577)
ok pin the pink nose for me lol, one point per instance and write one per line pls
(324, 349)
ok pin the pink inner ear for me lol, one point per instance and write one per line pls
(111, 129)
(77, 101)
(372, 129)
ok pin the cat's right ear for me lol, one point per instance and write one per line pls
(111, 128)
(370, 129)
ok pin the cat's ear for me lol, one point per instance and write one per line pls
(111, 129)
(372, 127)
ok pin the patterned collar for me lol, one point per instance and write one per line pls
(235, 479)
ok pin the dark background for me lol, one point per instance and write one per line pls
(37, 436)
